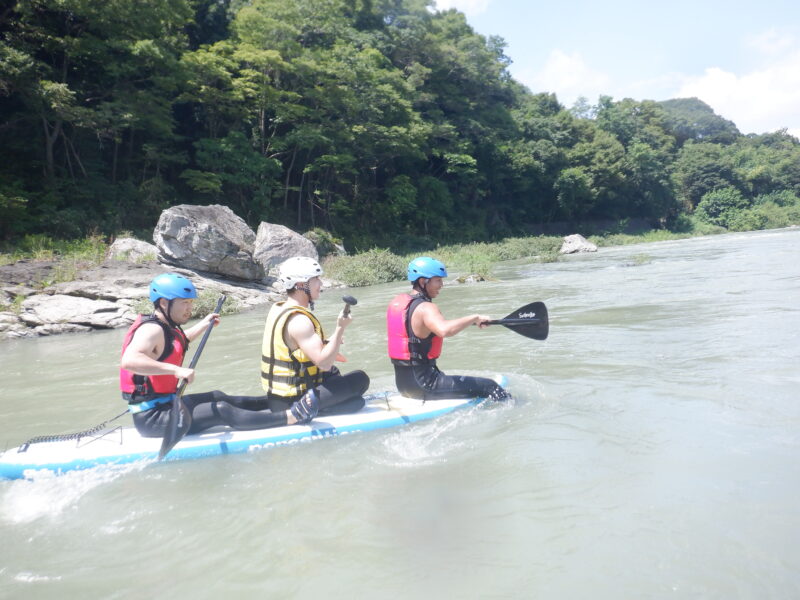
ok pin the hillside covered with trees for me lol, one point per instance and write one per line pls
(380, 121)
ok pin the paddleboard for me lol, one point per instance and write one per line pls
(124, 444)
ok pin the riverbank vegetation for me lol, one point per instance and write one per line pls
(382, 266)
(385, 123)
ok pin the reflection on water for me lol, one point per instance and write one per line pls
(650, 451)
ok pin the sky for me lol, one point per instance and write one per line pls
(741, 58)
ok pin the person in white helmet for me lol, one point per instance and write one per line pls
(297, 361)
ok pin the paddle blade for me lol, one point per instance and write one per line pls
(179, 422)
(348, 302)
(531, 321)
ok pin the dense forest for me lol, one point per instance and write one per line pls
(383, 122)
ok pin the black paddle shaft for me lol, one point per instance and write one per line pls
(531, 321)
(196, 357)
(180, 419)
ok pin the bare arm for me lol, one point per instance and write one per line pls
(427, 319)
(301, 334)
(145, 347)
(199, 328)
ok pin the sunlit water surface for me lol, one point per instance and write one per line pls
(651, 451)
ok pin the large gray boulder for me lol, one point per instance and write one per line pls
(577, 243)
(60, 313)
(207, 238)
(275, 243)
(132, 250)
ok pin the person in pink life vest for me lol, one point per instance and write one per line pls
(152, 366)
(416, 329)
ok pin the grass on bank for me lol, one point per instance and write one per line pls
(69, 255)
(91, 249)
(381, 266)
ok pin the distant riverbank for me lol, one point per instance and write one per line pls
(50, 287)
(477, 260)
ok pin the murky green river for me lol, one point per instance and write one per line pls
(652, 451)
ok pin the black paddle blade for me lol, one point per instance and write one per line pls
(348, 302)
(179, 422)
(530, 320)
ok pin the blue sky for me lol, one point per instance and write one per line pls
(743, 59)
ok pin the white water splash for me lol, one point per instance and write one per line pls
(46, 494)
(427, 443)
(33, 578)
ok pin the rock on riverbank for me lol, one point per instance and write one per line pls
(102, 296)
(208, 244)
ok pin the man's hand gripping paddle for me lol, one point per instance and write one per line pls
(348, 302)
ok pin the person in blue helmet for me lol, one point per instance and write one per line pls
(415, 331)
(152, 367)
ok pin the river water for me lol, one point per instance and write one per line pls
(651, 451)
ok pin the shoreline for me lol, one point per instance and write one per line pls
(101, 296)
(109, 294)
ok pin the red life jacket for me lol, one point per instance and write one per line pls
(403, 344)
(136, 388)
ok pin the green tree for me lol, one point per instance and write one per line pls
(87, 85)
(693, 119)
(575, 194)
(701, 168)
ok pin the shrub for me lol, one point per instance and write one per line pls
(325, 243)
(38, 246)
(719, 206)
(793, 214)
(206, 302)
(700, 227)
(782, 198)
(370, 268)
(746, 220)
(681, 223)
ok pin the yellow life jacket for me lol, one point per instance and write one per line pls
(283, 372)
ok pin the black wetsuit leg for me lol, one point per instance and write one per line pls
(427, 382)
(210, 409)
(239, 412)
(338, 394)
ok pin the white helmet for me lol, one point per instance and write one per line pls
(298, 269)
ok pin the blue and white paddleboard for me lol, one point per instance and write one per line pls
(124, 444)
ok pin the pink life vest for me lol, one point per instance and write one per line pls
(142, 387)
(403, 344)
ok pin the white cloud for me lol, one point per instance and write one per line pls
(760, 101)
(568, 76)
(771, 42)
(468, 7)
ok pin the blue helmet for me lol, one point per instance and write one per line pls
(170, 286)
(427, 267)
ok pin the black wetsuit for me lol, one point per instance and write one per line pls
(338, 394)
(209, 409)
